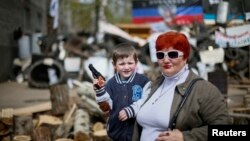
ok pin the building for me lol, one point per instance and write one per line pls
(19, 17)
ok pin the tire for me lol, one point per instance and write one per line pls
(38, 74)
(240, 55)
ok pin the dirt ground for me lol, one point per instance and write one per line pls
(18, 95)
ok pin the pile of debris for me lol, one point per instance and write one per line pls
(71, 114)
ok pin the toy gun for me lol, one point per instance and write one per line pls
(104, 106)
(96, 74)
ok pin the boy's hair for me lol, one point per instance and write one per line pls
(124, 50)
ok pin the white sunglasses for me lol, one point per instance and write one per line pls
(170, 54)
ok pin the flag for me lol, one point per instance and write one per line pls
(178, 12)
(54, 12)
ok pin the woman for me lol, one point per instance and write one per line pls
(204, 104)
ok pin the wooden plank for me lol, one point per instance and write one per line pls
(32, 109)
(238, 86)
(239, 115)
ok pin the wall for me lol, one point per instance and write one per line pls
(28, 15)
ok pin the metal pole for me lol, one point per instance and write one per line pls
(97, 11)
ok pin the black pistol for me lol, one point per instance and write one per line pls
(104, 106)
(96, 74)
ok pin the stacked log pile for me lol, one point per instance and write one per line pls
(71, 115)
(238, 103)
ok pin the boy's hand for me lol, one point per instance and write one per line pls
(98, 83)
(122, 115)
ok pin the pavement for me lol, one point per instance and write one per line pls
(19, 95)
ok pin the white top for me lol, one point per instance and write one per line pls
(154, 115)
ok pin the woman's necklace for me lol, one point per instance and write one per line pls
(173, 84)
(163, 93)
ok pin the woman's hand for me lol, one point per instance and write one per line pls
(122, 115)
(171, 135)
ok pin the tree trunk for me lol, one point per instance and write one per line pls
(59, 95)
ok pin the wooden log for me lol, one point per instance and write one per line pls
(48, 119)
(41, 134)
(101, 135)
(82, 122)
(6, 124)
(46, 106)
(97, 126)
(92, 104)
(52, 129)
(239, 115)
(23, 125)
(64, 139)
(22, 138)
(81, 136)
(7, 113)
(247, 100)
(4, 129)
(81, 125)
(63, 130)
(59, 95)
(6, 138)
(69, 114)
(85, 88)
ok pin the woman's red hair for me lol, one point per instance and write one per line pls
(173, 39)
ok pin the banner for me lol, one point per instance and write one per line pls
(232, 41)
(178, 12)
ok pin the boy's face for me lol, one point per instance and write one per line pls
(125, 67)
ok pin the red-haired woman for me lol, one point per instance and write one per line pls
(180, 105)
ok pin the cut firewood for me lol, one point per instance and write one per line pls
(7, 116)
(64, 139)
(48, 119)
(97, 126)
(41, 107)
(22, 138)
(93, 105)
(69, 114)
(85, 88)
(82, 122)
(80, 136)
(23, 125)
(7, 113)
(41, 134)
(101, 135)
(4, 130)
(68, 121)
(59, 95)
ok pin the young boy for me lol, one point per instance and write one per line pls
(122, 93)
